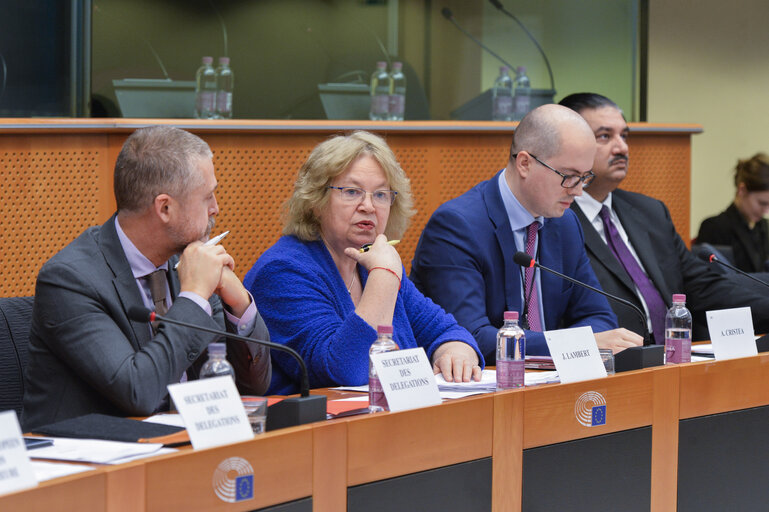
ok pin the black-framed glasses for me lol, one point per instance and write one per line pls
(357, 195)
(567, 180)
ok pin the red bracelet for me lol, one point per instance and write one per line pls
(390, 271)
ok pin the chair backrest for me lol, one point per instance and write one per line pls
(15, 318)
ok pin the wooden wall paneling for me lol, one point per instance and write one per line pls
(660, 166)
(53, 187)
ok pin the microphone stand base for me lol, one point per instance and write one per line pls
(298, 410)
(762, 343)
(635, 358)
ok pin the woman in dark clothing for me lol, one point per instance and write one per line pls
(742, 226)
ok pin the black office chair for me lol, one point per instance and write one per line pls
(15, 318)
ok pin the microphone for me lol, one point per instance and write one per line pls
(286, 413)
(525, 260)
(446, 12)
(632, 358)
(498, 5)
(708, 256)
(762, 343)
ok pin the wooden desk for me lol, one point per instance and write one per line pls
(494, 451)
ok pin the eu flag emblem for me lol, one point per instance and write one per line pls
(598, 416)
(244, 488)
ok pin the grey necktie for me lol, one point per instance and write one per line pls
(158, 282)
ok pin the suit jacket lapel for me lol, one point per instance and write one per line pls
(601, 254)
(638, 233)
(506, 241)
(123, 280)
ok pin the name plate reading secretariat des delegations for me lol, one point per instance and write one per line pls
(212, 411)
(16, 471)
(407, 379)
(575, 354)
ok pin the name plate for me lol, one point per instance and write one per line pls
(407, 379)
(731, 332)
(575, 354)
(16, 471)
(212, 411)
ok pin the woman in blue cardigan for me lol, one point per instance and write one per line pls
(324, 298)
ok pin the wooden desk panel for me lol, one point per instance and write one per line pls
(84, 492)
(385, 445)
(281, 463)
(716, 386)
(549, 411)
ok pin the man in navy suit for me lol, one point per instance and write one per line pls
(464, 259)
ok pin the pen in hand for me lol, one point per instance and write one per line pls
(366, 247)
(211, 241)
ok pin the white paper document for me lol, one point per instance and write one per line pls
(50, 470)
(94, 450)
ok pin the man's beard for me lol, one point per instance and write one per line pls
(181, 240)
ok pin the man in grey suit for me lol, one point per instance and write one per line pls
(633, 245)
(85, 354)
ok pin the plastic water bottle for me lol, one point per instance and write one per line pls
(522, 97)
(511, 353)
(205, 90)
(384, 343)
(502, 96)
(225, 83)
(397, 104)
(217, 364)
(380, 93)
(678, 332)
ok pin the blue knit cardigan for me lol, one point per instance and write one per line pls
(302, 299)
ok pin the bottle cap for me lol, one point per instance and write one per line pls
(511, 315)
(224, 61)
(503, 69)
(397, 65)
(679, 297)
(521, 69)
(384, 329)
(217, 349)
(208, 60)
(381, 64)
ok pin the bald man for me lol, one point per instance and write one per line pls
(464, 259)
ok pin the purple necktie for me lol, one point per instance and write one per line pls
(651, 295)
(531, 297)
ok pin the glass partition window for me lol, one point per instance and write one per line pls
(310, 59)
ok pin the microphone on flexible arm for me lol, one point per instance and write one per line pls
(498, 5)
(705, 254)
(762, 343)
(631, 358)
(446, 12)
(286, 413)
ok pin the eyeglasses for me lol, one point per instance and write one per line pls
(567, 180)
(357, 195)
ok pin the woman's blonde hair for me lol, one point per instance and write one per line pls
(328, 160)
